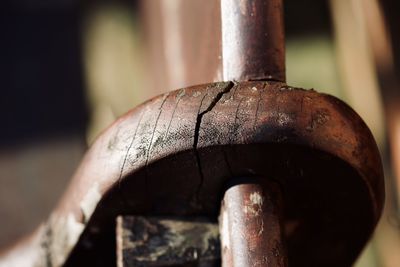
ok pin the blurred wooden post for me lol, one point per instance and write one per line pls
(387, 238)
(366, 53)
(183, 40)
(356, 68)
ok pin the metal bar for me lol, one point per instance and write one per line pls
(250, 226)
(253, 40)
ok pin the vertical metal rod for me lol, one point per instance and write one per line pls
(250, 226)
(253, 45)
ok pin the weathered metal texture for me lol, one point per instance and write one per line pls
(151, 241)
(250, 225)
(253, 44)
(173, 154)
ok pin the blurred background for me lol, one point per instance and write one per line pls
(70, 67)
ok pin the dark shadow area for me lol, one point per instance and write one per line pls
(41, 71)
(305, 17)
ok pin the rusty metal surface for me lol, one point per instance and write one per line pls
(173, 154)
(251, 225)
(253, 45)
(155, 241)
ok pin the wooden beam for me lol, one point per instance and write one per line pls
(152, 241)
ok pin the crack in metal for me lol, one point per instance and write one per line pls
(199, 119)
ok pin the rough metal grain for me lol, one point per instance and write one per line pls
(314, 145)
(251, 225)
